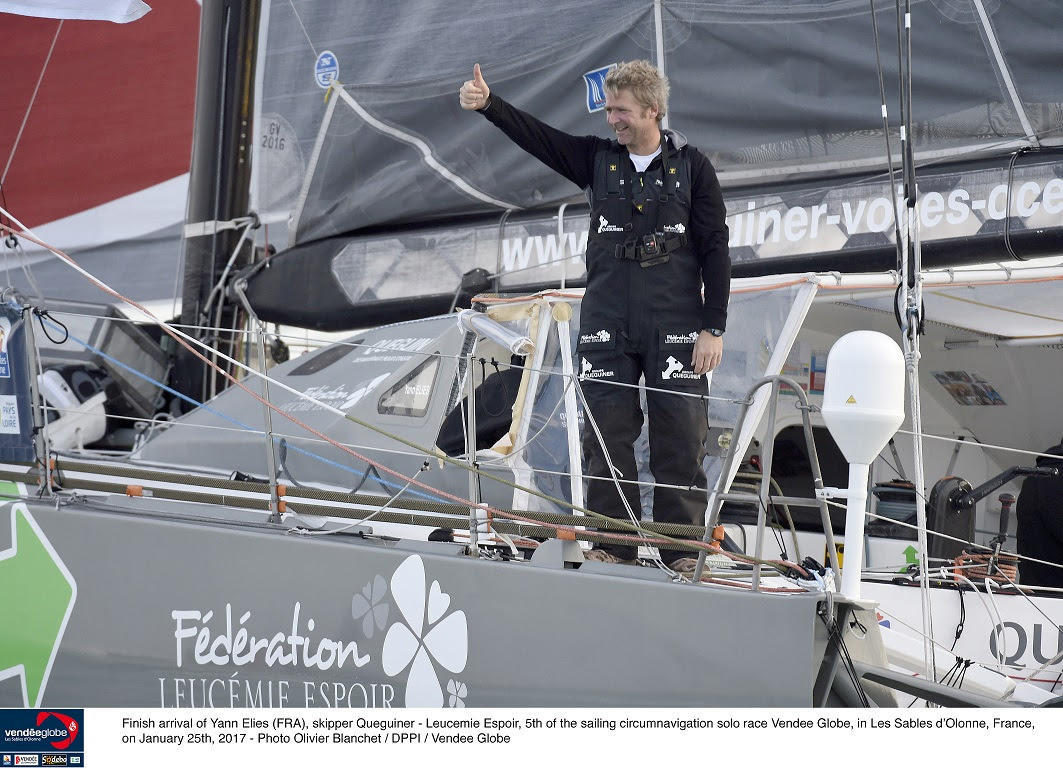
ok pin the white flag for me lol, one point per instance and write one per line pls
(119, 11)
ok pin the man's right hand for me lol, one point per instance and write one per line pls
(474, 93)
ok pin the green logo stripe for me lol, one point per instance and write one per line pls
(36, 596)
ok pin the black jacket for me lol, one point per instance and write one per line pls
(1040, 527)
(577, 157)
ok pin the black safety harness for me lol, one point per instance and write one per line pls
(656, 247)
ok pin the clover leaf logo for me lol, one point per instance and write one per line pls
(428, 636)
(367, 606)
(457, 692)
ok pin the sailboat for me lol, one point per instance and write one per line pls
(233, 558)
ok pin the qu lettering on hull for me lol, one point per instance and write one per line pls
(1009, 642)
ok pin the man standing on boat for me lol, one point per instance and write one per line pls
(657, 242)
(1040, 526)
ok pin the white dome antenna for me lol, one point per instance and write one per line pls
(863, 406)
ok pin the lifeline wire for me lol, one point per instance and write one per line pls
(185, 341)
(242, 427)
(245, 427)
(640, 534)
(346, 468)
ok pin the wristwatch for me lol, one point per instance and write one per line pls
(715, 331)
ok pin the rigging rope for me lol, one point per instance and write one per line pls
(29, 107)
(639, 536)
(885, 119)
(911, 290)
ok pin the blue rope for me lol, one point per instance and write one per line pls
(230, 419)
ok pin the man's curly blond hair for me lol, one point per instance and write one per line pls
(644, 81)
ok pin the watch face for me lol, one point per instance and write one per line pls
(715, 331)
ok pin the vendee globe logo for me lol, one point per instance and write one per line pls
(25, 734)
(69, 724)
(595, 81)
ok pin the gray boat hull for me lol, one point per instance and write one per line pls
(170, 605)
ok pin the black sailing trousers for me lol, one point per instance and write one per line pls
(678, 425)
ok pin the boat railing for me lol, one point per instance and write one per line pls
(280, 495)
(762, 498)
(479, 518)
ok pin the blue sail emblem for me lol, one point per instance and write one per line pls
(326, 69)
(596, 88)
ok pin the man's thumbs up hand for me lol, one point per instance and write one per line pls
(474, 93)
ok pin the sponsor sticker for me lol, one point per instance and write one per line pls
(326, 69)
(5, 334)
(588, 371)
(598, 337)
(394, 345)
(27, 733)
(406, 627)
(595, 81)
(676, 370)
(681, 338)
(9, 424)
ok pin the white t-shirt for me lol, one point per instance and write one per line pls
(642, 162)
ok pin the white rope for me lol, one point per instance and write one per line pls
(615, 475)
(313, 440)
(1054, 660)
(621, 480)
(531, 439)
(581, 256)
(29, 108)
(365, 519)
(919, 482)
(894, 617)
(980, 444)
(911, 317)
(20, 255)
(945, 536)
(1005, 73)
(237, 365)
(419, 144)
(302, 26)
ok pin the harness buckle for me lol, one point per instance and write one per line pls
(652, 249)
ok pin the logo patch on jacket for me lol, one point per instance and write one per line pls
(588, 371)
(598, 337)
(605, 226)
(676, 370)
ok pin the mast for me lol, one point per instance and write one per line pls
(219, 184)
(658, 29)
